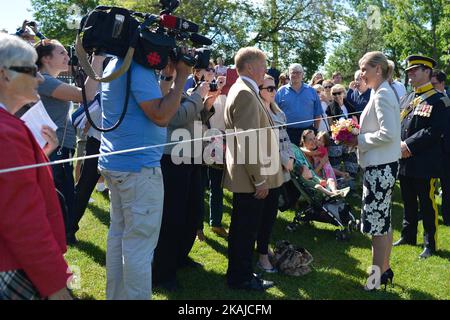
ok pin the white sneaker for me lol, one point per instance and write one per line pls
(101, 187)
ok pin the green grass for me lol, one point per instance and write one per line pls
(339, 268)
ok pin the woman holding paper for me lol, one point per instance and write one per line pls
(32, 242)
(57, 97)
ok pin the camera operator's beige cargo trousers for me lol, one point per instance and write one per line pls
(136, 210)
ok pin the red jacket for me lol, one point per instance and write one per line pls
(32, 236)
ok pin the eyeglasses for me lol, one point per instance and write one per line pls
(338, 93)
(32, 71)
(269, 89)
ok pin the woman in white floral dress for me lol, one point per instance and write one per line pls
(378, 153)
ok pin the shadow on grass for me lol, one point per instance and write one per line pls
(217, 246)
(443, 254)
(95, 252)
(201, 284)
(101, 214)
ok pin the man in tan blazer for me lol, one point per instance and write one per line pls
(253, 170)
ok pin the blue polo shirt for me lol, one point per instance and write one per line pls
(299, 106)
(190, 83)
(357, 100)
(136, 130)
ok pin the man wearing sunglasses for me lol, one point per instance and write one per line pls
(300, 103)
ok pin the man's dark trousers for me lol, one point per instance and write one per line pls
(245, 219)
(422, 188)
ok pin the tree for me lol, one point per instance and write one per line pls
(291, 30)
(407, 27)
(57, 18)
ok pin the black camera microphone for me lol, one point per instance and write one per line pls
(200, 40)
(173, 22)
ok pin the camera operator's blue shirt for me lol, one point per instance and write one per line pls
(303, 106)
(136, 130)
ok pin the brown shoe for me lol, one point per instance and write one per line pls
(220, 231)
(200, 235)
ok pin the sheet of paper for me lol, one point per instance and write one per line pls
(35, 118)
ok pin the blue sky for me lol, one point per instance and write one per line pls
(13, 12)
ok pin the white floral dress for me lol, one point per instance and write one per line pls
(378, 186)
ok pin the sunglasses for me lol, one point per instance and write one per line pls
(32, 71)
(328, 87)
(337, 93)
(269, 89)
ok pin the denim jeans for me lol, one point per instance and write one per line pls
(216, 197)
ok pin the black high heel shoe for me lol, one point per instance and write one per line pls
(386, 277)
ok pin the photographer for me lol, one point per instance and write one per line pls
(198, 75)
(182, 171)
(29, 31)
(134, 178)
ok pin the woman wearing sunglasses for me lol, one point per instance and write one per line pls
(267, 92)
(57, 97)
(341, 108)
(327, 85)
(32, 242)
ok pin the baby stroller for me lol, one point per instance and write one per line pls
(320, 208)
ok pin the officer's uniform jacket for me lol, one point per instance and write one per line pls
(424, 118)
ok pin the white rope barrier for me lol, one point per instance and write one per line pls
(51, 163)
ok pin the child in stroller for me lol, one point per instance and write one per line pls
(322, 206)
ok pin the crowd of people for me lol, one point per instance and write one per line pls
(157, 194)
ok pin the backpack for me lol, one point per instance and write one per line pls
(291, 260)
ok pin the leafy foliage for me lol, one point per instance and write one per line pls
(407, 27)
(292, 31)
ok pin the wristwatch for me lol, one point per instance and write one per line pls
(165, 78)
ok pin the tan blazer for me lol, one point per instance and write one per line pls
(250, 162)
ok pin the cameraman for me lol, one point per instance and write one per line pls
(181, 166)
(134, 178)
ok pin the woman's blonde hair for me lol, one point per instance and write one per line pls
(313, 79)
(337, 87)
(377, 58)
(318, 87)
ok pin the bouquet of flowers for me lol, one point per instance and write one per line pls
(344, 130)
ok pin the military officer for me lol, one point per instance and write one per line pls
(423, 120)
